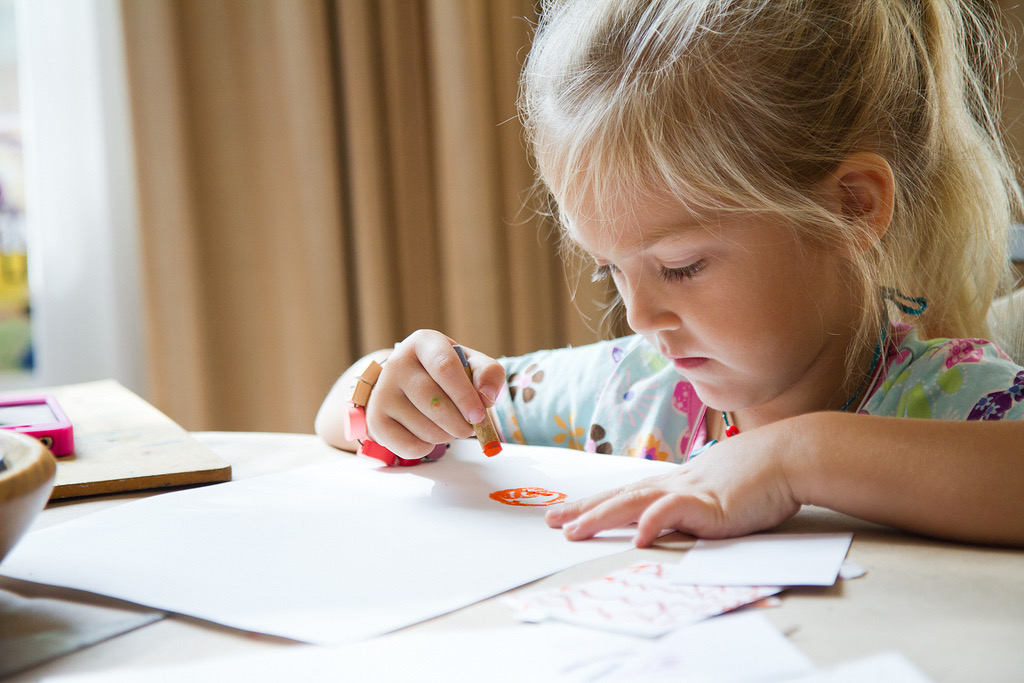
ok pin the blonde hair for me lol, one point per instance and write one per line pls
(752, 103)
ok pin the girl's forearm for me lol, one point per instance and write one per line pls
(962, 481)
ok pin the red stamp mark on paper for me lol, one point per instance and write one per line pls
(529, 496)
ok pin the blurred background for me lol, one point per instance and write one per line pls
(223, 203)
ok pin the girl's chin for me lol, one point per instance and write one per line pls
(717, 397)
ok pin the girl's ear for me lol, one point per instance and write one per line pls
(863, 190)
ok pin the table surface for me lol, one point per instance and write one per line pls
(956, 611)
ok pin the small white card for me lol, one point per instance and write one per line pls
(765, 560)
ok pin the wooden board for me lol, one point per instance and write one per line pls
(122, 443)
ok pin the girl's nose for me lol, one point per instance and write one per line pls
(647, 311)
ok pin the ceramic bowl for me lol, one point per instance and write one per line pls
(26, 480)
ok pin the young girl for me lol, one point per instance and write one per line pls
(803, 205)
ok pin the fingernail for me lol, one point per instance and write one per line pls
(490, 395)
(571, 528)
(475, 416)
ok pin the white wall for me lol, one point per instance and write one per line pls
(81, 207)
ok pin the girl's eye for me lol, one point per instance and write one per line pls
(603, 273)
(684, 272)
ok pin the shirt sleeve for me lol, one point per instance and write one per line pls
(951, 379)
(619, 396)
(550, 396)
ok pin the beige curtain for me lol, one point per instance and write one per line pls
(320, 178)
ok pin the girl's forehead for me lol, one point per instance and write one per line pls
(632, 224)
(635, 225)
(646, 214)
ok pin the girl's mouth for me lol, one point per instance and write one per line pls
(689, 363)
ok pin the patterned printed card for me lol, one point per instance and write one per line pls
(639, 600)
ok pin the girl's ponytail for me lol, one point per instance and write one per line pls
(966, 189)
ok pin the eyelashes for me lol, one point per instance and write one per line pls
(683, 272)
(604, 272)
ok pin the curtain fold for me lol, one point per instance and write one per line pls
(318, 179)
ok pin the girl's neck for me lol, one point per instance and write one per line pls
(826, 387)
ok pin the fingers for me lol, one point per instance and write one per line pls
(585, 519)
(649, 503)
(425, 397)
(424, 407)
(488, 375)
(564, 514)
(436, 355)
(409, 433)
(558, 517)
(688, 514)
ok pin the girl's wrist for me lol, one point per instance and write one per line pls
(800, 450)
(827, 463)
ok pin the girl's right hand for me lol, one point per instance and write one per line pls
(424, 398)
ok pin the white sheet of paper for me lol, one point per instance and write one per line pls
(727, 649)
(765, 560)
(741, 647)
(526, 653)
(883, 667)
(335, 551)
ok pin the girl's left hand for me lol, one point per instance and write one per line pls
(736, 487)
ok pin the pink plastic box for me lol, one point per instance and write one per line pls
(40, 416)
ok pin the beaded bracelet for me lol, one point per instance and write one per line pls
(355, 423)
(355, 416)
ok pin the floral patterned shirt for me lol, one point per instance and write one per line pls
(622, 396)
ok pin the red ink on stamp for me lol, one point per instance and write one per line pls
(528, 496)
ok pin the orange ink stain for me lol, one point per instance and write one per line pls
(530, 495)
